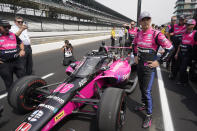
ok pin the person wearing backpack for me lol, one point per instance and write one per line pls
(146, 44)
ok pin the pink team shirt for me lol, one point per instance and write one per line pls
(133, 31)
(146, 40)
(8, 42)
(188, 38)
(179, 30)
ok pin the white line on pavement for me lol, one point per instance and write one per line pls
(168, 124)
(4, 95)
(44, 77)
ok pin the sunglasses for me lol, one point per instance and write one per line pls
(5, 27)
(188, 24)
(20, 22)
(173, 20)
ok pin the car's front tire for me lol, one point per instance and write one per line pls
(112, 109)
(21, 94)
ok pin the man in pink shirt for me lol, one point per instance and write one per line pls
(11, 51)
(176, 32)
(146, 44)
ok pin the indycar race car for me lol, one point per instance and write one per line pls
(98, 80)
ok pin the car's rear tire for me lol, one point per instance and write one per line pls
(112, 109)
(21, 93)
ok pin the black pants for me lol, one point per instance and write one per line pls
(68, 60)
(184, 61)
(112, 41)
(146, 77)
(7, 70)
(120, 42)
(174, 63)
(125, 36)
(128, 43)
(27, 60)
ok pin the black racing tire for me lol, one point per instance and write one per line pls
(21, 92)
(112, 110)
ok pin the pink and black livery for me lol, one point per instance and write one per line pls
(90, 82)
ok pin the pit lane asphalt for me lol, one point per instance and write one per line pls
(182, 101)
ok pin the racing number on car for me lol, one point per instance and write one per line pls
(63, 88)
(24, 127)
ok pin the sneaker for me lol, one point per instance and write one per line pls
(140, 108)
(147, 121)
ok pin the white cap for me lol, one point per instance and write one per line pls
(144, 15)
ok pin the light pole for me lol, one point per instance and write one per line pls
(138, 11)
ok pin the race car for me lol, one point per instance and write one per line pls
(98, 80)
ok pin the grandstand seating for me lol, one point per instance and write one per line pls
(50, 20)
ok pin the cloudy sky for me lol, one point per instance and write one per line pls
(161, 10)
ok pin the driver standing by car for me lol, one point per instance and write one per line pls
(146, 44)
(11, 51)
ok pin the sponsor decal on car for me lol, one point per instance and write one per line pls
(82, 82)
(51, 108)
(59, 116)
(126, 76)
(24, 127)
(61, 101)
(35, 115)
(63, 88)
(117, 66)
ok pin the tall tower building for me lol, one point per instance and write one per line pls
(185, 7)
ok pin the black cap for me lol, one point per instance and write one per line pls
(4, 23)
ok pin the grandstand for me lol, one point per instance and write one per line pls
(62, 15)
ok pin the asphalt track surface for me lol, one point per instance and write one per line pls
(182, 100)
